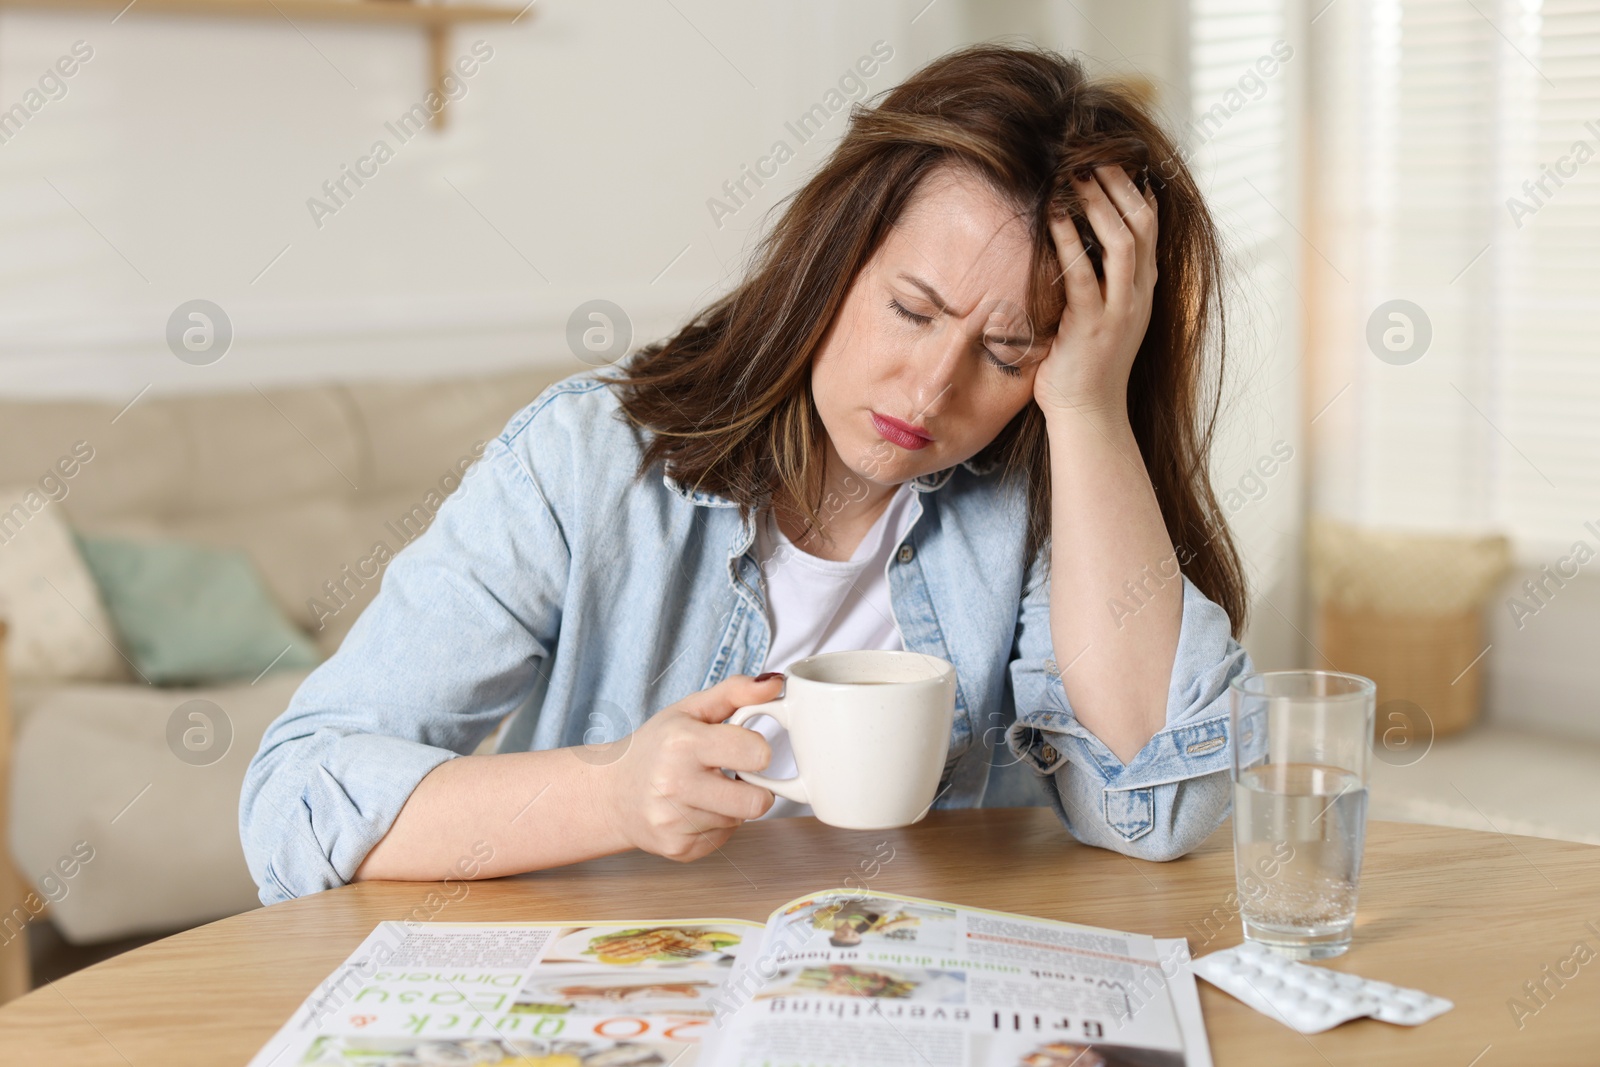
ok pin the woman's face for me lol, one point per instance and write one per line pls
(934, 333)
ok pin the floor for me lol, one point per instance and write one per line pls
(52, 956)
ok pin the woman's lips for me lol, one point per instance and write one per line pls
(897, 432)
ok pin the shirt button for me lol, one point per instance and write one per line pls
(906, 552)
(1048, 754)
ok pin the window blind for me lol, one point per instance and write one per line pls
(1547, 211)
(1244, 73)
(1472, 203)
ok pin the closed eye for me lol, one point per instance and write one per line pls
(900, 310)
(922, 320)
(996, 361)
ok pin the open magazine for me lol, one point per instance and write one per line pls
(841, 977)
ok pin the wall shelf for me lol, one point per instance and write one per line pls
(436, 19)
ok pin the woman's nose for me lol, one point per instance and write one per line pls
(937, 375)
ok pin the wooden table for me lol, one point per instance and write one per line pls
(1470, 916)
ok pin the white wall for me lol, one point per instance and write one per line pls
(179, 162)
(1542, 674)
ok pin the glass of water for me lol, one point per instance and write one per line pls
(1302, 746)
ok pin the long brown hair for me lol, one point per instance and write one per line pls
(728, 396)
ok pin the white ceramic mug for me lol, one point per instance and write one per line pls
(870, 732)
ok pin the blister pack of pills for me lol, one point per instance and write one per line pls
(1311, 999)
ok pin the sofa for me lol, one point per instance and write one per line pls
(306, 481)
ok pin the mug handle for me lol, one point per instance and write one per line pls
(789, 788)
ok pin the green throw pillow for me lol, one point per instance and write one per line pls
(190, 614)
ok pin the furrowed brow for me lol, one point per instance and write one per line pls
(927, 290)
(1021, 342)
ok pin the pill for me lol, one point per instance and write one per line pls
(1309, 998)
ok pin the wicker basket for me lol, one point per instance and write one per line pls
(1406, 610)
(1420, 658)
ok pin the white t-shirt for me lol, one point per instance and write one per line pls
(819, 605)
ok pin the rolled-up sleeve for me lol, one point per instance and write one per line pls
(464, 618)
(1176, 791)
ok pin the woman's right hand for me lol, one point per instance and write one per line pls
(666, 792)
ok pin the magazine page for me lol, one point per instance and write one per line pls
(846, 978)
(618, 994)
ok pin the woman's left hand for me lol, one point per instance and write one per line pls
(1104, 322)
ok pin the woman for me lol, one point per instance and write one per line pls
(954, 407)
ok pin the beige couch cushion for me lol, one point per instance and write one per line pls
(93, 764)
(60, 629)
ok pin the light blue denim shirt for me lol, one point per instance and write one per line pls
(554, 586)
